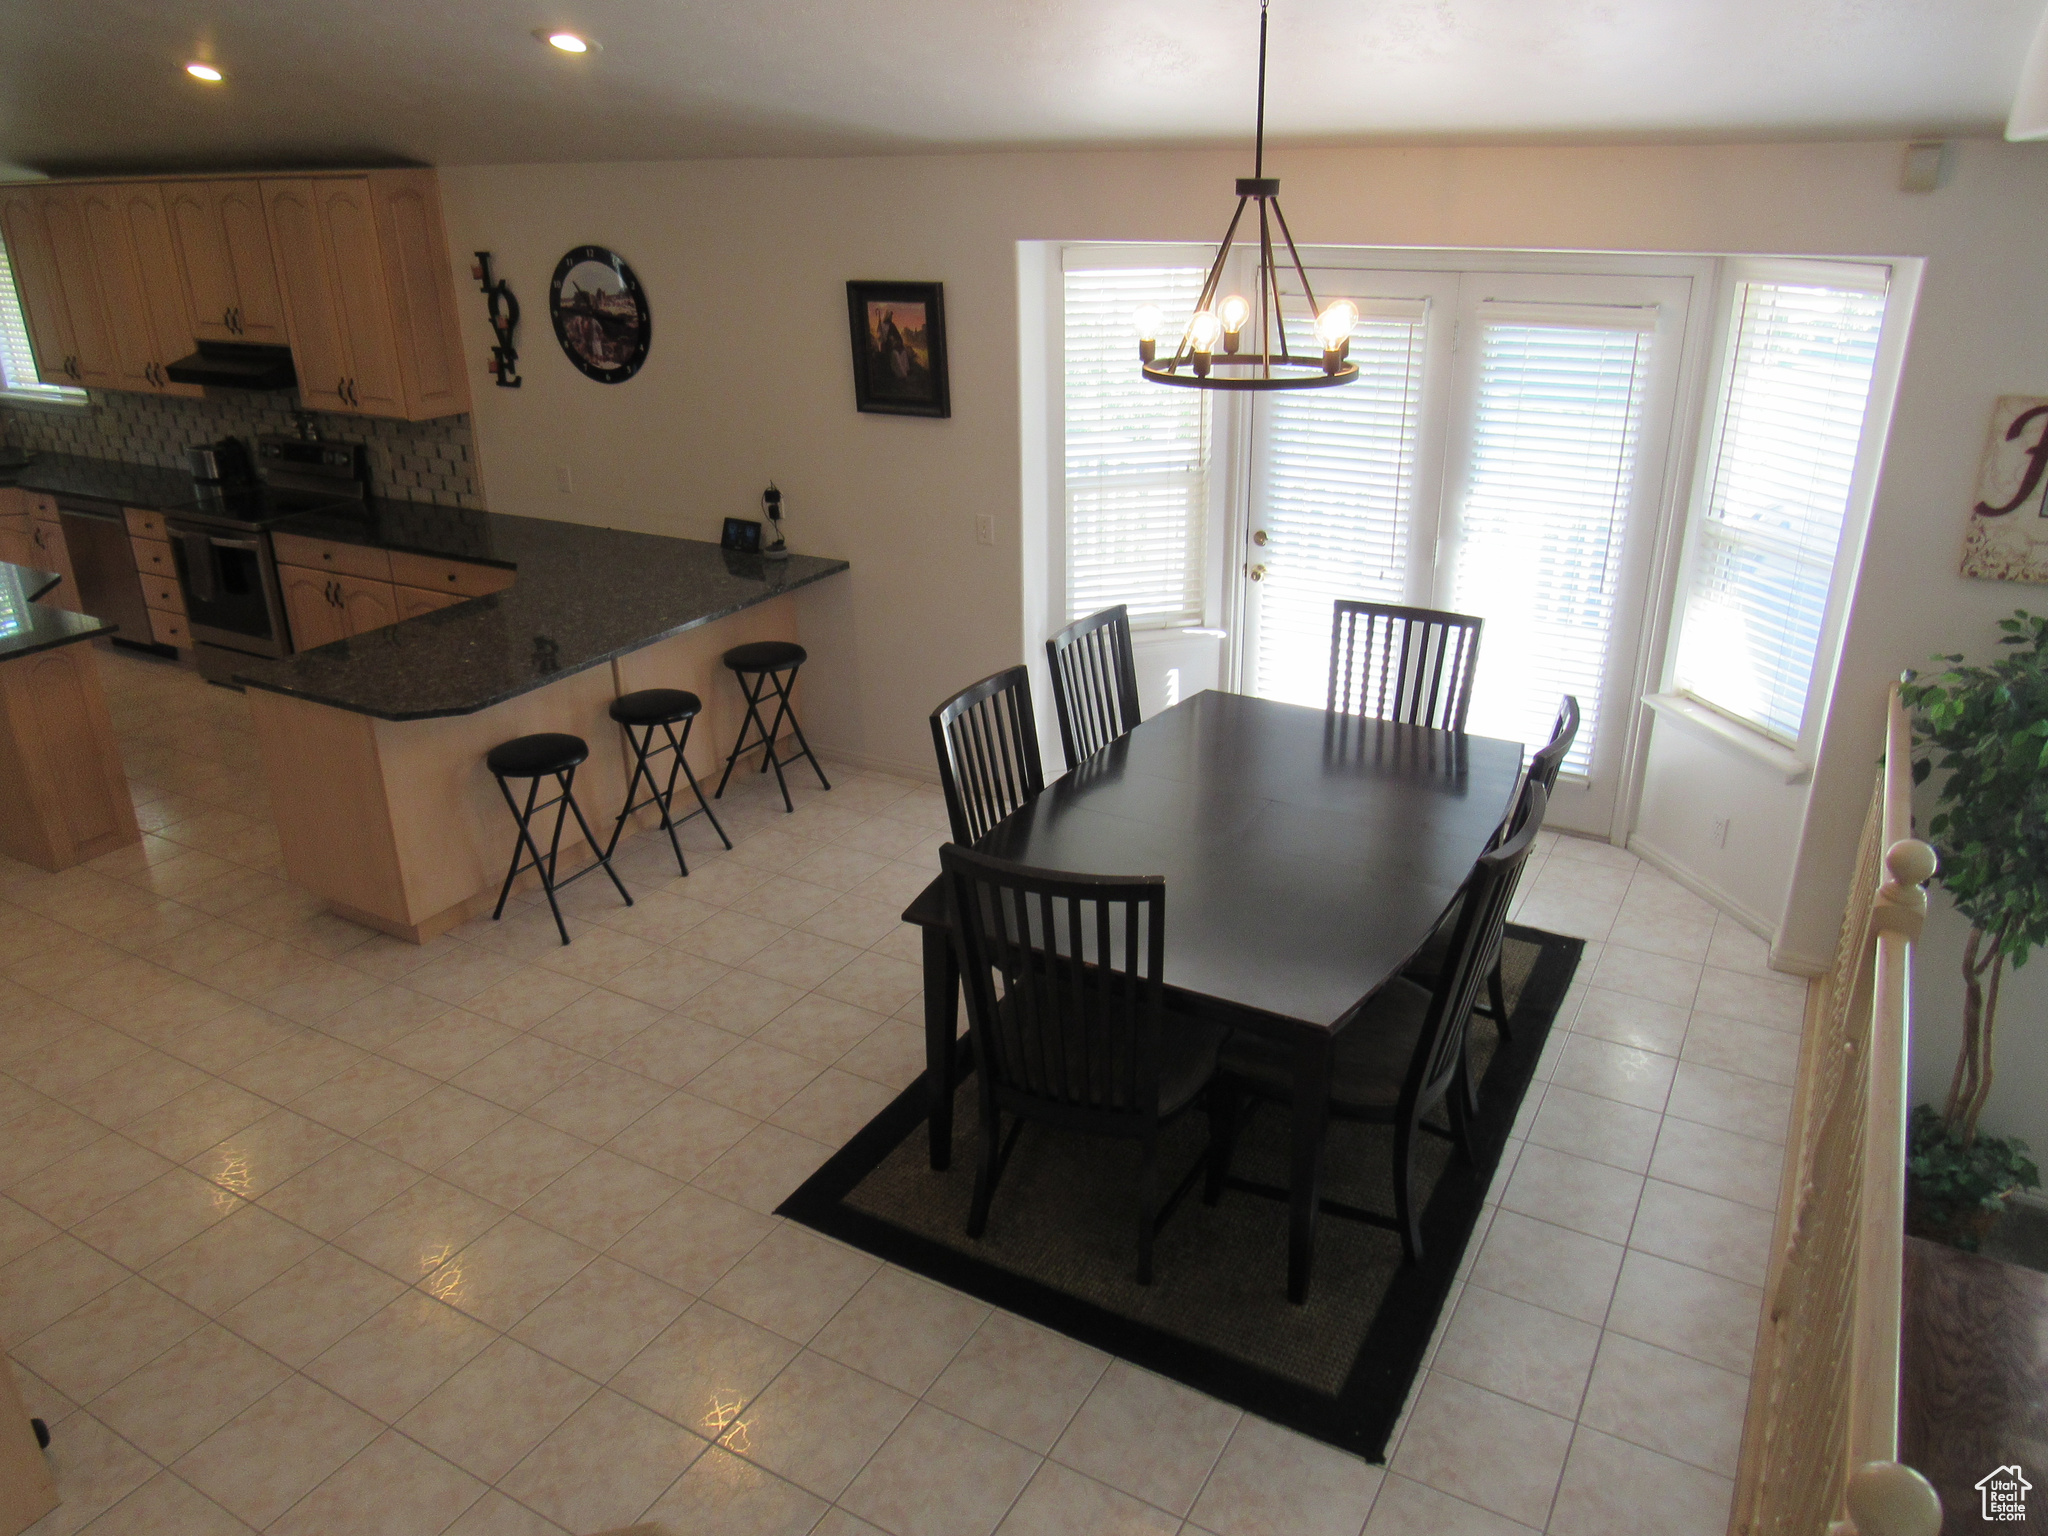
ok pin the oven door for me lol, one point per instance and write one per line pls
(231, 593)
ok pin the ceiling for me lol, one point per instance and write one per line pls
(98, 84)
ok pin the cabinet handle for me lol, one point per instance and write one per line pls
(341, 390)
(237, 313)
(352, 400)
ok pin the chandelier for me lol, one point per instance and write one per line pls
(1196, 363)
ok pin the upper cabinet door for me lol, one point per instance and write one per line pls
(208, 271)
(35, 279)
(259, 302)
(319, 347)
(163, 292)
(350, 225)
(229, 273)
(421, 281)
(114, 269)
(71, 253)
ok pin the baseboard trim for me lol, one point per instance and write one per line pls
(921, 772)
(1763, 927)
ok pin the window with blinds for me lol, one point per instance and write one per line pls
(1338, 476)
(1137, 453)
(17, 360)
(1539, 534)
(1784, 460)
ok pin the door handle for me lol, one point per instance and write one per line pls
(1259, 537)
(1256, 572)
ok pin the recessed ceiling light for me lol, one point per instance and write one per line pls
(206, 72)
(568, 42)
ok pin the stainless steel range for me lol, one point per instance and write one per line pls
(221, 543)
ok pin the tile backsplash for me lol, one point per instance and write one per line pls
(432, 461)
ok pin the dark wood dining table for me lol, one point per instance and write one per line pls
(1307, 855)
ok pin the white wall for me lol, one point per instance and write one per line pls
(745, 264)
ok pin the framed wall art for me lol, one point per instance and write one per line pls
(899, 348)
(2007, 539)
(600, 314)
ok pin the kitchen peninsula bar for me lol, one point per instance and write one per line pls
(373, 747)
(63, 793)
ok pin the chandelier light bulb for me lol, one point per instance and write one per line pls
(1234, 311)
(1335, 324)
(1147, 321)
(1203, 332)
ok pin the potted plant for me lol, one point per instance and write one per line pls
(1986, 729)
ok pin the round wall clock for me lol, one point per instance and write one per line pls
(600, 314)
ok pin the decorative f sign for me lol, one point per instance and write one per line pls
(2008, 534)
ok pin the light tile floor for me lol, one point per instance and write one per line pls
(305, 1230)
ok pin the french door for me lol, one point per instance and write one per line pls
(1502, 453)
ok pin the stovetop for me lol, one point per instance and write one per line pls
(256, 506)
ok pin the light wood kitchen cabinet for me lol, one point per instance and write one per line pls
(43, 304)
(226, 265)
(50, 553)
(366, 604)
(310, 608)
(323, 607)
(92, 349)
(17, 541)
(135, 269)
(368, 296)
(414, 601)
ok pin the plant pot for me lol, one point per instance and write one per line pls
(1965, 1230)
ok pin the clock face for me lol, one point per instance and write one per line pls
(600, 314)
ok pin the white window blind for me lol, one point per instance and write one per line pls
(1339, 473)
(1137, 453)
(1791, 420)
(17, 359)
(1539, 535)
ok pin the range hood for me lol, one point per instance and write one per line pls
(235, 365)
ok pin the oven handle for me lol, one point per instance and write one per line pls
(217, 540)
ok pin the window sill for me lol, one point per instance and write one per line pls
(1701, 721)
(17, 401)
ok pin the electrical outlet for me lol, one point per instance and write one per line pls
(1718, 833)
(565, 482)
(984, 528)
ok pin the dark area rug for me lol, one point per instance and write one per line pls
(1061, 1241)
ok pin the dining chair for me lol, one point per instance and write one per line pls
(1068, 1017)
(1543, 769)
(986, 737)
(1403, 1054)
(1094, 682)
(1412, 665)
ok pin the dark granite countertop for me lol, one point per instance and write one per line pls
(27, 626)
(583, 596)
(454, 533)
(132, 485)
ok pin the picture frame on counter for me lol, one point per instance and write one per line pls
(899, 348)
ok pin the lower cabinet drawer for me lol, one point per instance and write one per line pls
(145, 524)
(169, 628)
(153, 558)
(457, 576)
(41, 507)
(163, 594)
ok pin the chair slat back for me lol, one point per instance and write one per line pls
(1062, 975)
(1094, 682)
(1544, 765)
(1412, 665)
(1475, 942)
(986, 737)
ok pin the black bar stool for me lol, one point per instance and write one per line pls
(536, 758)
(765, 662)
(642, 714)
